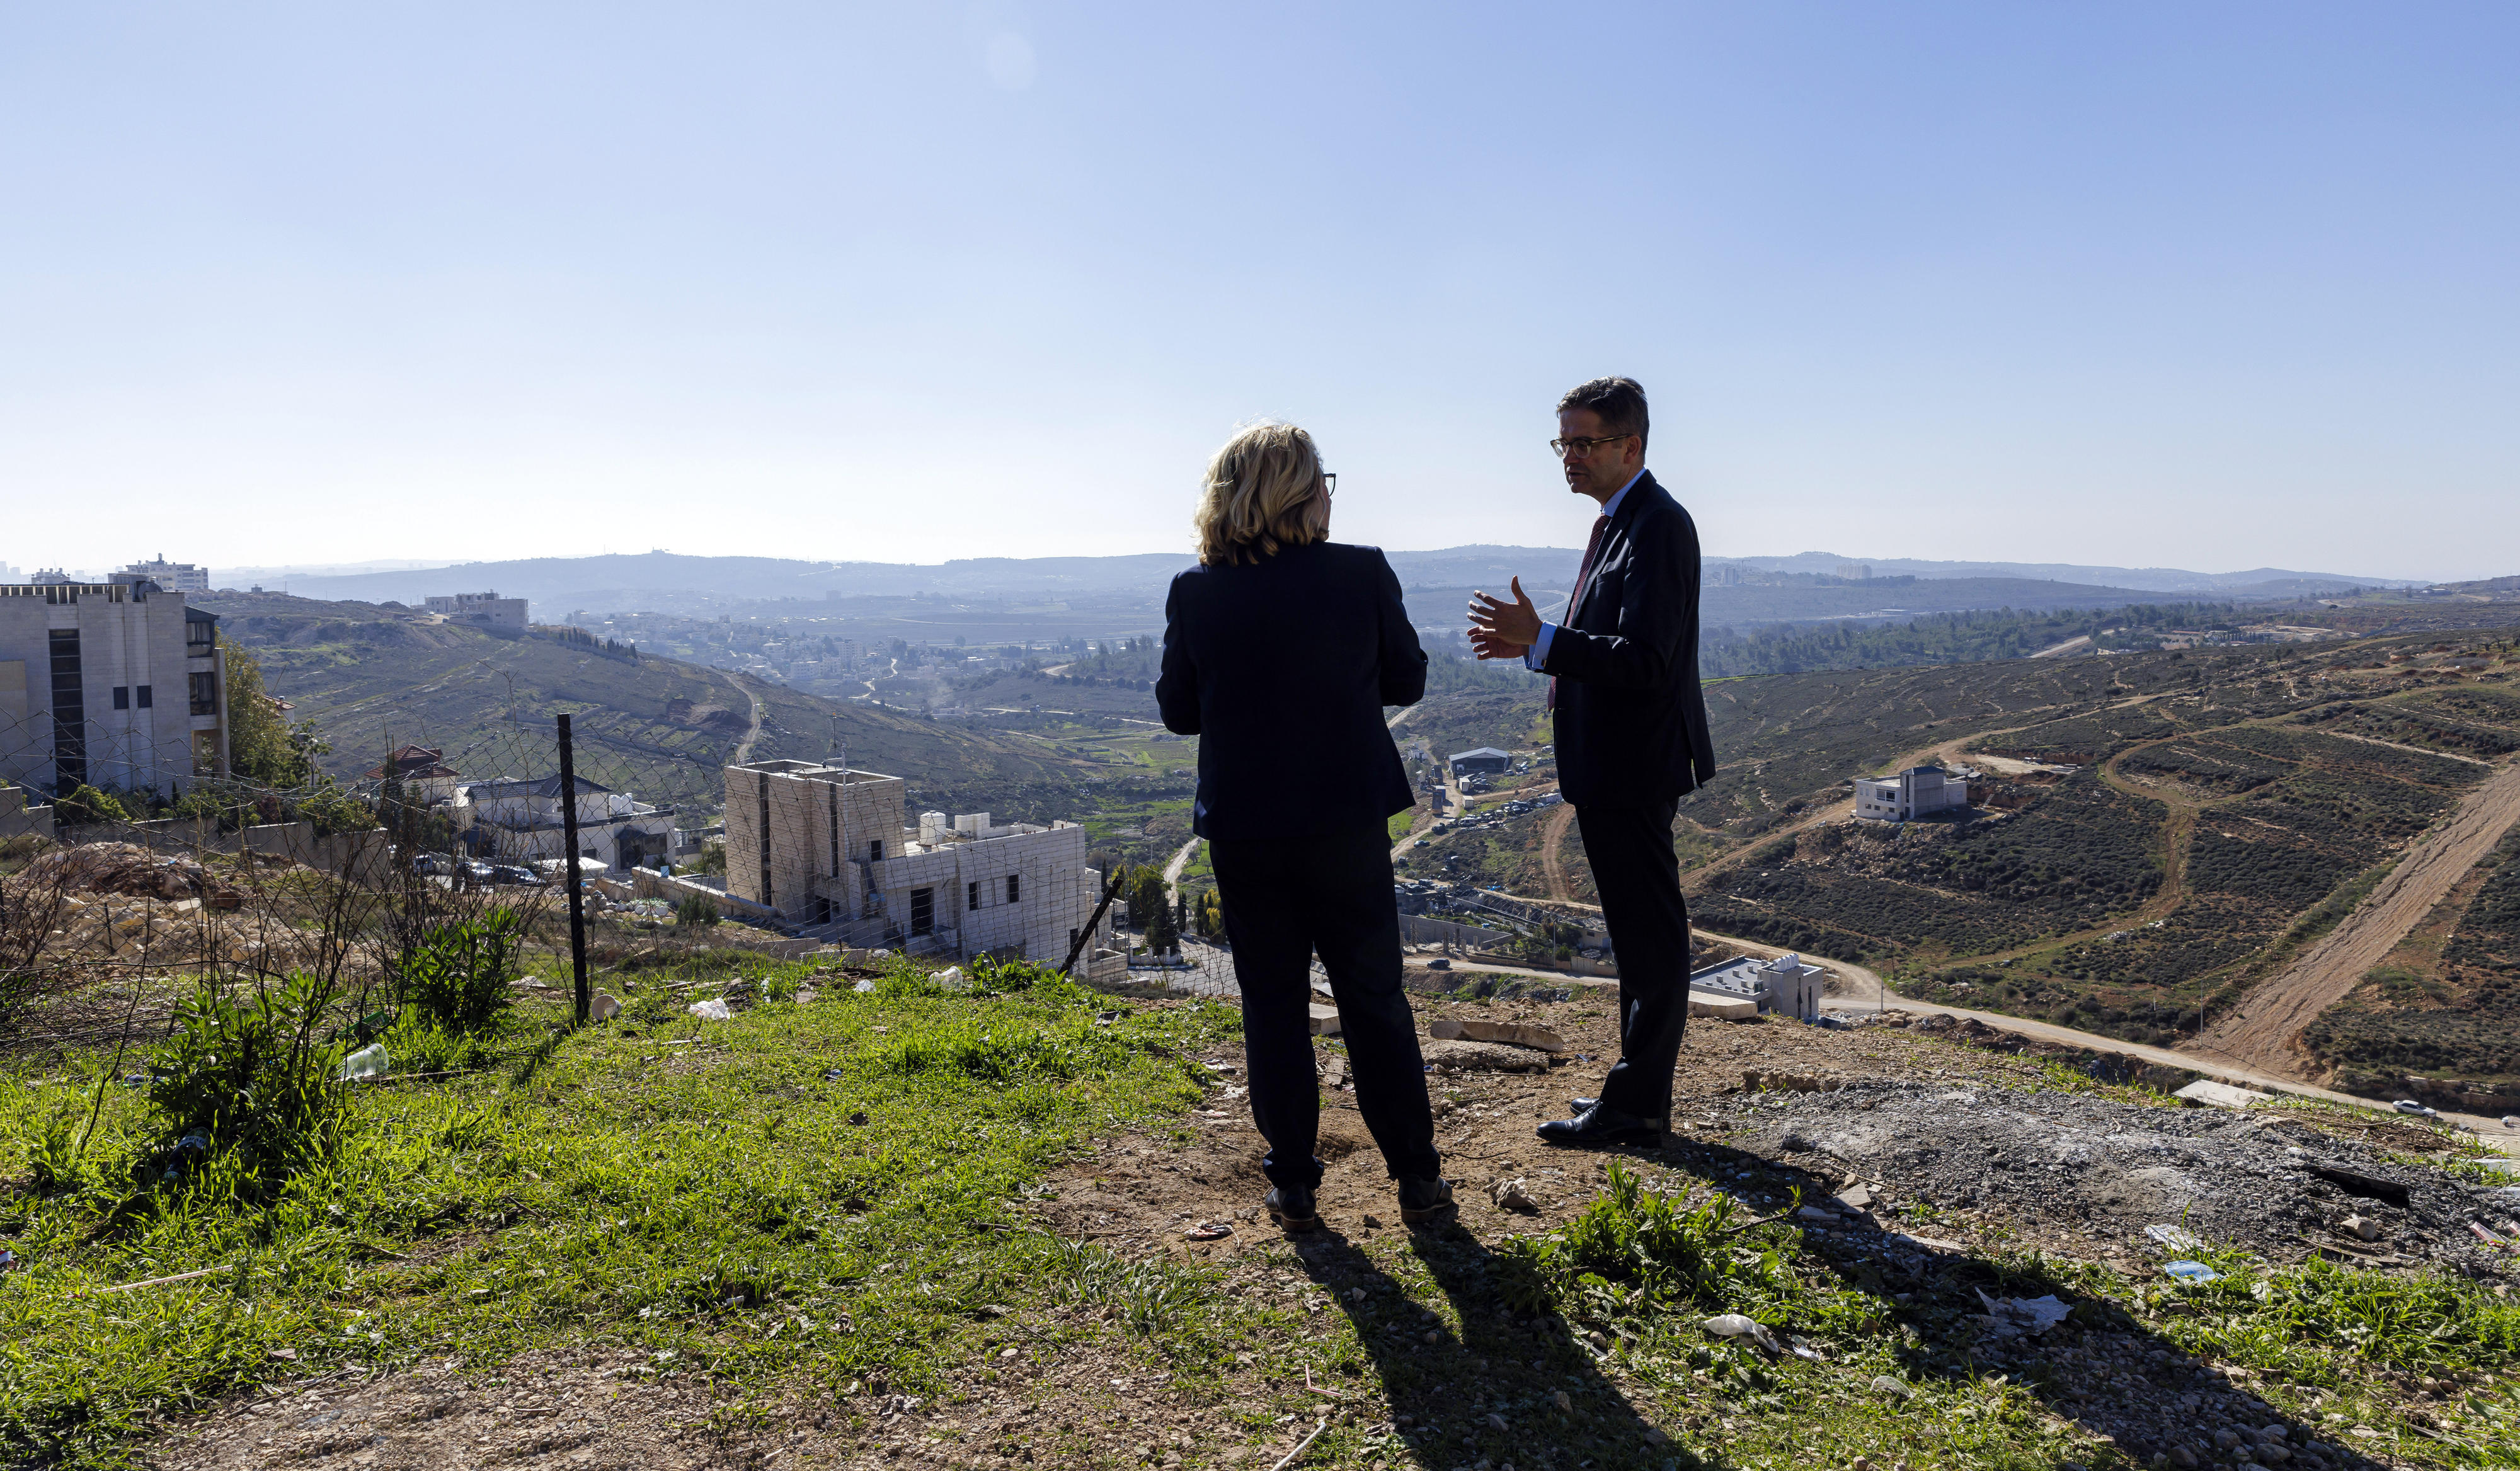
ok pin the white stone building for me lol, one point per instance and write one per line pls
(827, 847)
(172, 576)
(520, 821)
(116, 684)
(1912, 793)
(1785, 985)
(486, 609)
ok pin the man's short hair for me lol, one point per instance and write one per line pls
(1619, 401)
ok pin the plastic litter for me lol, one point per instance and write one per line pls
(1883, 1384)
(2511, 1121)
(604, 1006)
(2176, 1237)
(862, 987)
(1734, 1325)
(2191, 1272)
(709, 1010)
(2032, 1316)
(9, 1261)
(951, 978)
(369, 1061)
(831, 1074)
(1213, 1230)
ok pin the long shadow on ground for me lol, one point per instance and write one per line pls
(1489, 1394)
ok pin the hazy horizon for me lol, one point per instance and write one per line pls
(2142, 287)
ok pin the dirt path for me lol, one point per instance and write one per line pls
(1866, 992)
(1553, 831)
(752, 728)
(2263, 1032)
(1178, 862)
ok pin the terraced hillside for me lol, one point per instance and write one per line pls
(374, 680)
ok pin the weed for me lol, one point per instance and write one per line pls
(250, 1076)
(462, 977)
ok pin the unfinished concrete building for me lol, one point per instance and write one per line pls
(109, 684)
(831, 848)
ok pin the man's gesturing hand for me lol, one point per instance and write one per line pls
(1501, 630)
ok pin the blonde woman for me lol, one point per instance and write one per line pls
(1282, 648)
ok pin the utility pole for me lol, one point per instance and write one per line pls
(576, 894)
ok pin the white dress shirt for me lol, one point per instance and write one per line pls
(1537, 655)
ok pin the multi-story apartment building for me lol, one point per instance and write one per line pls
(488, 610)
(173, 576)
(827, 846)
(116, 684)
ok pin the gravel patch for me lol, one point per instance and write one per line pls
(2082, 1166)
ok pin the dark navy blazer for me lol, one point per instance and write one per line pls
(1631, 722)
(1281, 669)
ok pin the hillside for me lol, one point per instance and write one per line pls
(373, 681)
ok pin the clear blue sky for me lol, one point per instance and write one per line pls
(2212, 285)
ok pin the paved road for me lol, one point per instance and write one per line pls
(2262, 1032)
(1861, 992)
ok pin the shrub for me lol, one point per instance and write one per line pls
(462, 976)
(86, 804)
(252, 1076)
(698, 912)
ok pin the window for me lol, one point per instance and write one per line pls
(145, 701)
(1014, 888)
(923, 911)
(122, 697)
(874, 851)
(205, 692)
(974, 887)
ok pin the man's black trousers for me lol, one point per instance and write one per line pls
(1285, 899)
(1638, 876)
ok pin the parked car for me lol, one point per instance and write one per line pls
(512, 873)
(432, 863)
(1439, 964)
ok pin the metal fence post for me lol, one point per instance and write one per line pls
(576, 894)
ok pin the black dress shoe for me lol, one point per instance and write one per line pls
(1424, 1199)
(1581, 1105)
(1603, 1126)
(1293, 1208)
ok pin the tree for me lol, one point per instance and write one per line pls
(263, 748)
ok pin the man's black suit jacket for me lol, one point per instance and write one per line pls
(1282, 668)
(1631, 719)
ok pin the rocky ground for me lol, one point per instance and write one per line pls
(1924, 1162)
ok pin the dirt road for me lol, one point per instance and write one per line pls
(752, 725)
(1553, 831)
(1178, 861)
(2264, 1031)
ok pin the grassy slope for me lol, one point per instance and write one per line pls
(733, 1211)
(623, 1189)
(373, 682)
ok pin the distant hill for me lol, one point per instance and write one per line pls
(374, 681)
(2257, 582)
(1127, 591)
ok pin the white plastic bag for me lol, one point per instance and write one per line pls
(709, 1010)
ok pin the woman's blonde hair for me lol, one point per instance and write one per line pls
(1264, 491)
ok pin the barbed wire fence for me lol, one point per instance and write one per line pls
(128, 859)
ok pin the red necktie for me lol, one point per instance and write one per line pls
(1583, 580)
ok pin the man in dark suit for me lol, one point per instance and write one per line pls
(1632, 735)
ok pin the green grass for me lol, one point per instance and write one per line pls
(717, 1205)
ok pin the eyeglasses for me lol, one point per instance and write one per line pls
(1329, 483)
(1577, 449)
